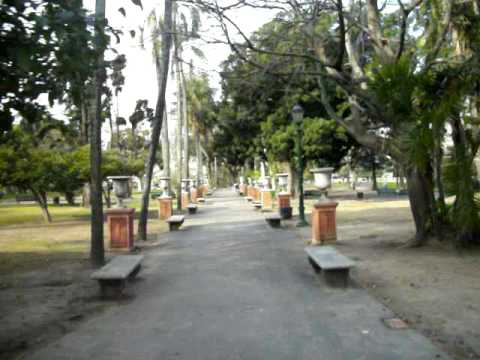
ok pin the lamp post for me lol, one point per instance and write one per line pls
(297, 116)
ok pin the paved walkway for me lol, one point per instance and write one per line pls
(229, 287)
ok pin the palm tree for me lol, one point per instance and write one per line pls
(162, 43)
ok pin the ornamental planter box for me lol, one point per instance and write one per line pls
(120, 224)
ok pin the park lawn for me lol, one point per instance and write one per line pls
(16, 214)
(28, 243)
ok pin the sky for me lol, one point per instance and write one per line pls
(140, 82)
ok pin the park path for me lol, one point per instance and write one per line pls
(229, 287)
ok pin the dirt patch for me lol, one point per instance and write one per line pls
(435, 289)
(45, 285)
(39, 306)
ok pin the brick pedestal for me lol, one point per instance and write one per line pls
(120, 224)
(256, 194)
(324, 225)
(185, 199)
(284, 208)
(243, 190)
(267, 200)
(193, 195)
(249, 191)
(164, 207)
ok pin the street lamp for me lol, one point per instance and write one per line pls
(297, 116)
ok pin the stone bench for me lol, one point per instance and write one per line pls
(274, 220)
(113, 276)
(20, 198)
(335, 266)
(257, 205)
(248, 198)
(175, 221)
(201, 200)
(192, 209)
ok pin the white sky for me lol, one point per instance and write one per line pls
(140, 74)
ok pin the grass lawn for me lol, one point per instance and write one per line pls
(28, 243)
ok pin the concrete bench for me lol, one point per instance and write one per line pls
(175, 221)
(257, 205)
(335, 266)
(201, 200)
(274, 220)
(20, 198)
(248, 198)
(192, 209)
(113, 276)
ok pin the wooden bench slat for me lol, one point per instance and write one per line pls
(328, 258)
(119, 267)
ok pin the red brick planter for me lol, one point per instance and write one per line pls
(120, 223)
(324, 225)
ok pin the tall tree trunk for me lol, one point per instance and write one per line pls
(41, 198)
(198, 154)
(420, 192)
(70, 198)
(161, 65)
(186, 153)
(437, 164)
(165, 148)
(84, 120)
(97, 253)
(178, 134)
(110, 122)
(374, 174)
(215, 173)
(117, 124)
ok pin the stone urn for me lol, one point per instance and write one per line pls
(282, 182)
(165, 186)
(266, 182)
(185, 185)
(323, 179)
(120, 189)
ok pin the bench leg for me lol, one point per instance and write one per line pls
(175, 226)
(274, 223)
(111, 289)
(315, 267)
(135, 272)
(337, 278)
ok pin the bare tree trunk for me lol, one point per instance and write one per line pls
(215, 172)
(198, 154)
(186, 154)
(165, 147)
(41, 198)
(420, 191)
(178, 140)
(97, 255)
(70, 198)
(84, 124)
(162, 77)
(86, 195)
(374, 174)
